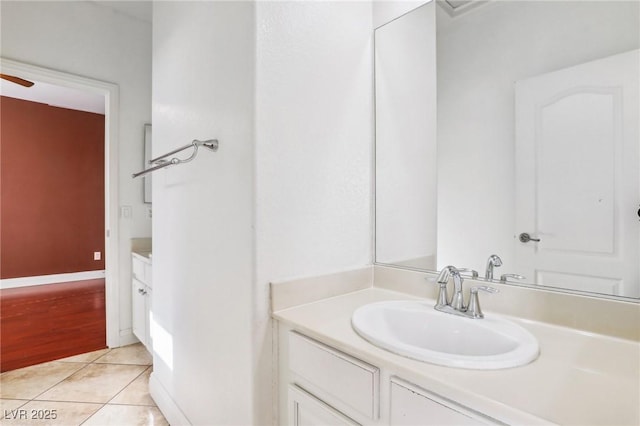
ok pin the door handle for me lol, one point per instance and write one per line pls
(525, 238)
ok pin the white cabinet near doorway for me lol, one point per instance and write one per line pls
(141, 291)
(324, 385)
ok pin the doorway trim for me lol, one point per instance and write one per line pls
(110, 91)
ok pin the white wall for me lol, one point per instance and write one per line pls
(480, 56)
(314, 132)
(93, 41)
(309, 184)
(203, 242)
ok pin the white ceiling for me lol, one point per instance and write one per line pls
(53, 95)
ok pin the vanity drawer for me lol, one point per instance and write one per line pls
(341, 379)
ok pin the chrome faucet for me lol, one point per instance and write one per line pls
(493, 261)
(457, 300)
(456, 305)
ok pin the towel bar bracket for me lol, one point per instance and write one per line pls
(161, 162)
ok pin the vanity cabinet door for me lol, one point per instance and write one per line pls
(412, 406)
(138, 269)
(138, 305)
(306, 410)
(147, 319)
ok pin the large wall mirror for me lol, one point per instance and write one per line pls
(512, 128)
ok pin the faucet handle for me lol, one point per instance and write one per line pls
(443, 297)
(467, 271)
(473, 310)
(505, 277)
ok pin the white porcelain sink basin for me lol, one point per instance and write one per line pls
(414, 329)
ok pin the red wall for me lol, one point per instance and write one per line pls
(51, 189)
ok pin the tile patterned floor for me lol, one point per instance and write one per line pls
(106, 387)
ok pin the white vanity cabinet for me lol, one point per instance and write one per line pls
(411, 405)
(141, 291)
(322, 385)
(307, 410)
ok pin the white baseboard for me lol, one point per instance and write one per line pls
(166, 404)
(51, 279)
(127, 337)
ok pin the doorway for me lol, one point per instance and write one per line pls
(109, 92)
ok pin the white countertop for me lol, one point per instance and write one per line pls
(144, 255)
(579, 378)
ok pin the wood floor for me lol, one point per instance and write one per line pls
(46, 322)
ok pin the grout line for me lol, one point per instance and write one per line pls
(87, 364)
(57, 383)
(69, 401)
(92, 414)
(24, 402)
(131, 405)
(126, 386)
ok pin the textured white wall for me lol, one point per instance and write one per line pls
(314, 127)
(314, 133)
(203, 250)
(312, 189)
(480, 56)
(94, 41)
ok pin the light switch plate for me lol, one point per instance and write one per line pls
(126, 212)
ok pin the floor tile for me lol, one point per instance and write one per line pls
(51, 413)
(29, 382)
(94, 383)
(129, 415)
(6, 405)
(86, 357)
(133, 354)
(137, 393)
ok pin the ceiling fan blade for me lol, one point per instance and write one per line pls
(17, 80)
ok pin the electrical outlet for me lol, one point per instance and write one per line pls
(149, 212)
(97, 255)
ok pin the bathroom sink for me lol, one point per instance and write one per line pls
(415, 330)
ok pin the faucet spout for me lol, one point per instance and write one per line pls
(456, 306)
(457, 301)
(493, 261)
(443, 277)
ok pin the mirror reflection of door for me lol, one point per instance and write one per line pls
(577, 179)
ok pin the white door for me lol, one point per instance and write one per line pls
(577, 181)
(138, 305)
